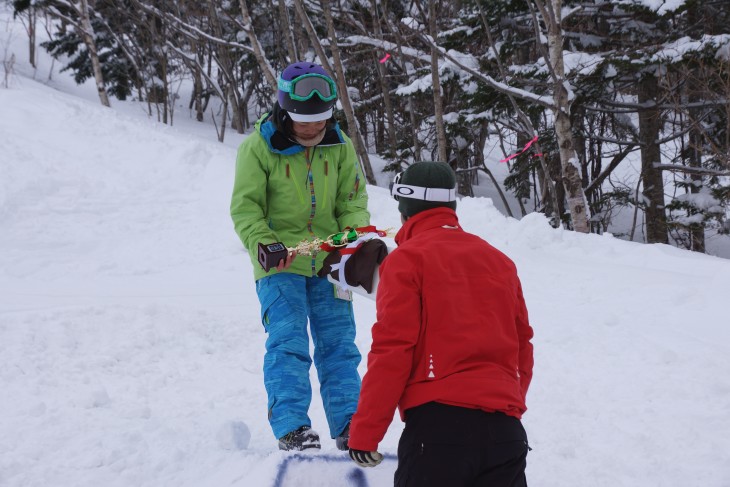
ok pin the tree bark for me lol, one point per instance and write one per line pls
(344, 96)
(287, 31)
(382, 73)
(32, 22)
(576, 201)
(696, 93)
(258, 50)
(696, 232)
(438, 105)
(87, 34)
(227, 65)
(415, 142)
(481, 163)
(653, 182)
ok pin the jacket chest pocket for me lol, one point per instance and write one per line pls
(315, 185)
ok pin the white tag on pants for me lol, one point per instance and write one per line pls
(344, 294)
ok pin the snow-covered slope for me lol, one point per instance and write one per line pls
(131, 348)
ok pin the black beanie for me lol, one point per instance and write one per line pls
(427, 174)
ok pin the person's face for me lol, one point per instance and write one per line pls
(307, 130)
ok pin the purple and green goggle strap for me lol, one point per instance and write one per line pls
(304, 87)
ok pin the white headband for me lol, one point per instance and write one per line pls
(421, 193)
(314, 117)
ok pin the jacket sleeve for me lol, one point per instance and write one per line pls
(391, 354)
(248, 202)
(524, 334)
(352, 198)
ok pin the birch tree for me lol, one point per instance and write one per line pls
(258, 50)
(438, 106)
(77, 15)
(572, 179)
(87, 32)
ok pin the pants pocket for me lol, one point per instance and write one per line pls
(268, 294)
(434, 464)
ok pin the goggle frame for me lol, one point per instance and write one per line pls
(290, 87)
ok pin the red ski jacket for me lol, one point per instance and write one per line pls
(451, 327)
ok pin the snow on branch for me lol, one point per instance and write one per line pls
(661, 7)
(677, 51)
(192, 31)
(459, 62)
(390, 47)
(693, 170)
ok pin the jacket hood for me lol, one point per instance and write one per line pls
(427, 220)
(274, 128)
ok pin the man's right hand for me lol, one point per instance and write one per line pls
(366, 458)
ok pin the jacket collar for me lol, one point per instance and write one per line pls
(272, 127)
(427, 220)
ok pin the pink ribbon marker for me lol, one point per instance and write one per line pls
(527, 146)
(387, 55)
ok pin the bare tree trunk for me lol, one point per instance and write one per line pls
(224, 115)
(696, 93)
(257, 48)
(387, 102)
(481, 163)
(571, 171)
(438, 105)
(8, 68)
(32, 20)
(653, 182)
(246, 96)
(415, 142)
(549, 189)
(697, 233)
(198, 90)
(165, 90)
(341, 84)
(312, 34)
(287, 31)
(87, 34)
(226, 62)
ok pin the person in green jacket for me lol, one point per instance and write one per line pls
(298, 178)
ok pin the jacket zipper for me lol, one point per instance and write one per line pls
(325, 194)
(289, 172)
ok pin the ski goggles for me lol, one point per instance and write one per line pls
(304, 87)
(398, 190)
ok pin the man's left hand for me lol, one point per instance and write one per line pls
(366, 458)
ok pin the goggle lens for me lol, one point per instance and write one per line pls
(306, 86)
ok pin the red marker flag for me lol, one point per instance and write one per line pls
(527, 146)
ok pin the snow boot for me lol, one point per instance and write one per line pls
(300, 439)
(342, 440)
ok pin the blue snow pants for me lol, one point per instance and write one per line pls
(288, 302)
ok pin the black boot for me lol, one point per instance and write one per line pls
(343, 438)
(300, 439)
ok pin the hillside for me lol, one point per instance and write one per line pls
(131, 346)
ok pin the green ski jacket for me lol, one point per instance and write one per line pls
(284, 192)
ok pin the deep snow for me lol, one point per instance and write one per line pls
(131, 346)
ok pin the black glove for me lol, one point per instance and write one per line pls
(366, 458)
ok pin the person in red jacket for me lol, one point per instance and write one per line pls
(451, 348)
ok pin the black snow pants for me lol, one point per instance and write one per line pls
(449, 446)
